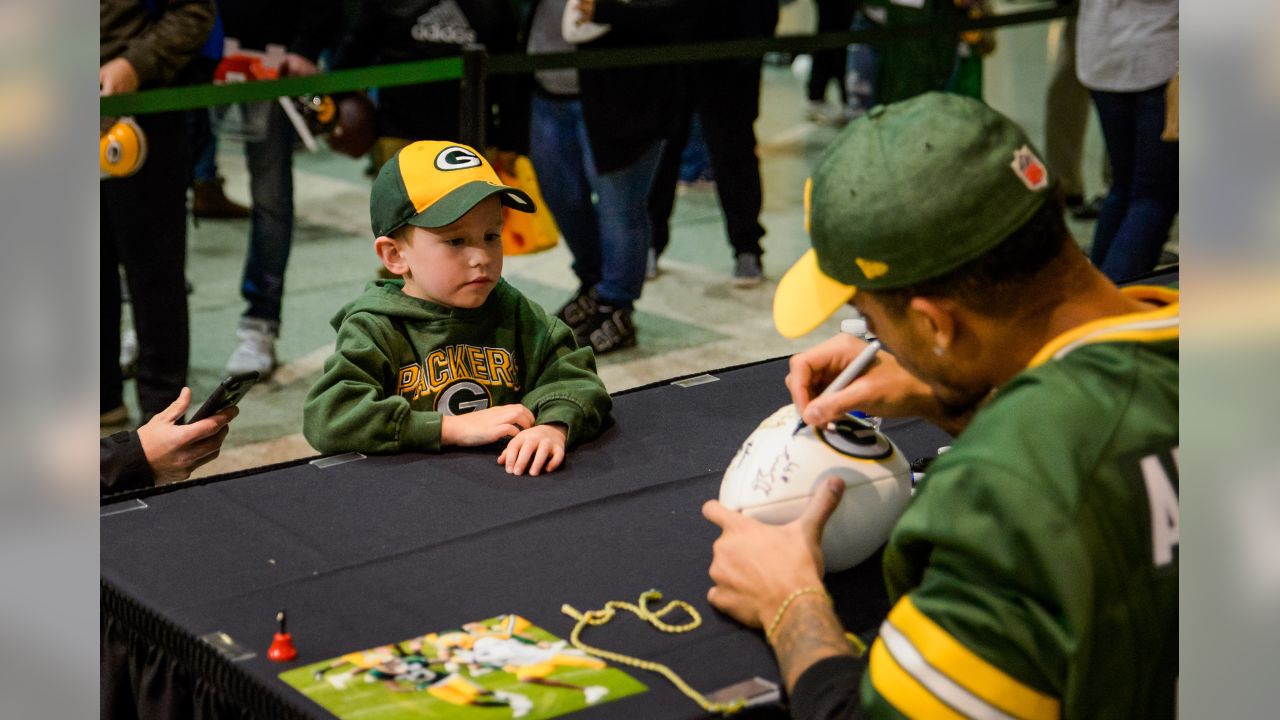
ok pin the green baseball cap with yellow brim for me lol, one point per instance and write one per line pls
(906, 193)
(432, 183)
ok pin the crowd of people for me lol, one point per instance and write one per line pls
(1033, 574)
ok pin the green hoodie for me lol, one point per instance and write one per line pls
(402, 363)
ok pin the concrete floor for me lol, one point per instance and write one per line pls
(690, 319)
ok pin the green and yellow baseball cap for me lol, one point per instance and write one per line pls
(432, 183)
(906, 193)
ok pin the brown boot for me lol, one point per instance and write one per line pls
(209, 202)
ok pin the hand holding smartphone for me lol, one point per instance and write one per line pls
(228, 393)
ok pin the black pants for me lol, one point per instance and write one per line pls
(144, 230)
(828, 65)
(727, 98)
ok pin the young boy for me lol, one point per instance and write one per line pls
(451, 354)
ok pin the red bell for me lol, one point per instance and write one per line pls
(282, 649)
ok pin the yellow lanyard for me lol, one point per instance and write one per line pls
(654, 618)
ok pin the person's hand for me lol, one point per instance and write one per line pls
(586, 11)
(755, 566)
(886, 388)
(173, 450)
(485, 426)
(533, 449)
(297, 65)
(117, 77)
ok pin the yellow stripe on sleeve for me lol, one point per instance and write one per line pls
(903, 691)
(988, 682)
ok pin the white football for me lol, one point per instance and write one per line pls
(774, 473)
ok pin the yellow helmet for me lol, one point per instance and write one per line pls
(122, 148)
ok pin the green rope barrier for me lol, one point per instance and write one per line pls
(442, 69)
(196, 96)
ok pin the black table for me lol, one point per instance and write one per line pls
(381, 549)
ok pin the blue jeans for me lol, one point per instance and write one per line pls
(695, 159)
(862, 63)
(609, 238)
(1139, 210)
(270, 162)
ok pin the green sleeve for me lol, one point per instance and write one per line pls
(988, 575)
(350, 409)
(565, 387)
(169, 43)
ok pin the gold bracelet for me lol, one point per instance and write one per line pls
(782, 609)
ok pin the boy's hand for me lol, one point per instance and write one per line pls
(533, 449)
(485, 426)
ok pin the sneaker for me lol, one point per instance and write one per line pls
(697, 185)
(114, 416)
(579, 309)
(209, 202)
(608, 329)
(815, 111)
(747, 271)
(129, 354)
(1082, 210)
(257, 348)
(821, 113)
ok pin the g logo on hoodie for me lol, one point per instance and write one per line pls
(461, 398)
(457, 379)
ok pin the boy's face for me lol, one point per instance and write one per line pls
(456, 265)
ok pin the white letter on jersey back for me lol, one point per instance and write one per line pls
(1162, 498)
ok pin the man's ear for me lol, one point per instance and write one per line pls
(936, 318)
(389, 253)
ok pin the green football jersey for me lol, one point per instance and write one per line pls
(1035, 572)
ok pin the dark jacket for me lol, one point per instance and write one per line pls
(123, 465)
(159, 42)
(627, 109)
(305, 27)
(397, 31)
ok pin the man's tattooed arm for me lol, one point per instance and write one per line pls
(809, 632)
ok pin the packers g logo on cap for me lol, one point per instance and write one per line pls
(456, 158)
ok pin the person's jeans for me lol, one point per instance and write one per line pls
(695, 160)
(270, 162)
(1140, 207)
(610, 238)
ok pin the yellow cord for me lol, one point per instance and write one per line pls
(654, 618)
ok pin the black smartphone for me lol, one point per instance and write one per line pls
(228, 393)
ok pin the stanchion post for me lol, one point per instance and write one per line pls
(472, 102)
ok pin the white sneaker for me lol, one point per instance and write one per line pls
(257, 348)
